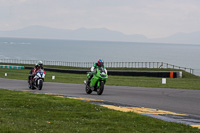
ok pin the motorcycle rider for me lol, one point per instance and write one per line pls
(32, 73)
(39, 65)
(100, 63)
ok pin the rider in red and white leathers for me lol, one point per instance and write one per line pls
(32, 73)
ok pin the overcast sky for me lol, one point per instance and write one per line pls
(152, 18)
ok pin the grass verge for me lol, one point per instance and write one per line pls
(188, 81)
(22, 112)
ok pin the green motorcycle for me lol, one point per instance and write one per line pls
(97, 81)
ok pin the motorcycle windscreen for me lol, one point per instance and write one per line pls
(102, 70)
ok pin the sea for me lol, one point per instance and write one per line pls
(184, 55)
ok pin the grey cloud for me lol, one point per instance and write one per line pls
(153, 18)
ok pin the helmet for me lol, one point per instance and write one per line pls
(100, 62)
(40, 64)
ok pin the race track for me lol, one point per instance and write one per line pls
(175, 100)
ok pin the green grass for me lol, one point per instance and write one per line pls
(23, 112)
(27, 112)
(188, 81)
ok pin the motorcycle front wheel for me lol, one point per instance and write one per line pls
(40, 84)
(101, 88)
(87, 89)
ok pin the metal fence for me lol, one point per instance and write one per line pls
(107, 64)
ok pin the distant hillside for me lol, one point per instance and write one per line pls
(182, 38)
(97, 34)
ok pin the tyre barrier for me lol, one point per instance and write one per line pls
(11, 67)
(164, 74)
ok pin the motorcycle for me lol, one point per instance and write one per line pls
(97, 82)
(38, 79)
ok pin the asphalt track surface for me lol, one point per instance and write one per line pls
(174, 100)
